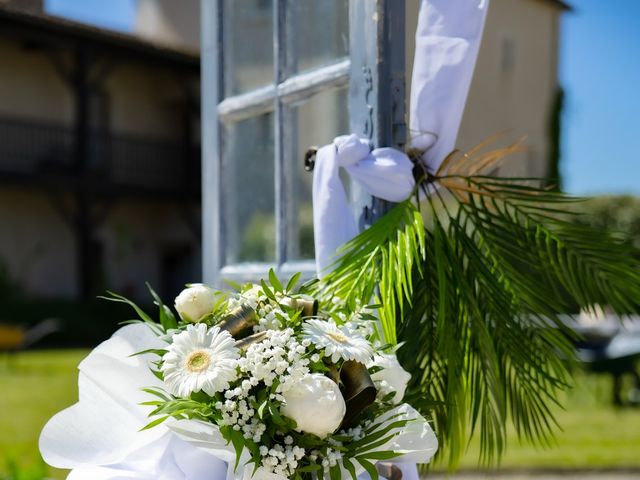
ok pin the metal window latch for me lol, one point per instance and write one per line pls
(310, 158)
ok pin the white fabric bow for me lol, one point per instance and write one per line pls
(383, 172)
(447, 42)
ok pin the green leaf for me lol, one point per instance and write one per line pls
(292, 282)
(350, 467)
(369, 467)
(238, 444)
(154, 423)
(273, 279)
(277, 419)
(120, 299)
(155, 351)
(167, 319)
(380, 455)
(335, 473)
(262, 408)
(267, 291)
(312, 467)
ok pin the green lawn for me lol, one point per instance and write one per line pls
(35, 385)
(594, 434)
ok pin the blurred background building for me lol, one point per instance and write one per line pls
(99, 136)
(99, 156)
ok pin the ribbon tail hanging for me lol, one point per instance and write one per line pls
(333, 222)
(447, 43)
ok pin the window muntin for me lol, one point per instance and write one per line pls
(374, 73)
(266, 125)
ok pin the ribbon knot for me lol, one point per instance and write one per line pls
(351, 149)
(385, 173)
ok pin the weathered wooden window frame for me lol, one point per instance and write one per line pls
(375, 75)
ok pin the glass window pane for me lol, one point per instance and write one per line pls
(314, 121)
(318, 33)
(247, 188)
(248, 45)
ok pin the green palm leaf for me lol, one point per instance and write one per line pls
(475, 293)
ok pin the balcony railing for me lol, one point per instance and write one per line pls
(36, 151)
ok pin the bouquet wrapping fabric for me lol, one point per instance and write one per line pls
(258, 384)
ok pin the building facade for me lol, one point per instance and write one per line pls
(99, 159)
(121, 207)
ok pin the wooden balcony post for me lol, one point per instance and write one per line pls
(81, 151)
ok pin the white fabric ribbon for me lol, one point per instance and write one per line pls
(416, 441)
(99, 437)
(447, 42)
(383, 172)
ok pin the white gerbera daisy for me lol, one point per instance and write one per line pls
(200, 359)
(337, 342)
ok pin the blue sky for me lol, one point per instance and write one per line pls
(599, 68)
(114, 14)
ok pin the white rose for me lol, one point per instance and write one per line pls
(195, 302)
(316, 404)
(392, 377)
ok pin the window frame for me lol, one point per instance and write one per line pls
(374, 74)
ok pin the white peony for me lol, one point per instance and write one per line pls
(392, 377)
(316, 404)
(195, 302)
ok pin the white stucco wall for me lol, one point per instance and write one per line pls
(515, 94)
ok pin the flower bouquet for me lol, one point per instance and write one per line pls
(270, 382)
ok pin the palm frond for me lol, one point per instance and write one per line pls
(380, 263)
(475, 292)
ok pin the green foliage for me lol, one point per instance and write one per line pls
(81, 323)
(25, 412)
(380, 262)
(476, 296)
(619, 213)
(17, 472)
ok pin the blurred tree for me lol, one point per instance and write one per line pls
(619, 213)
(554, 175)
